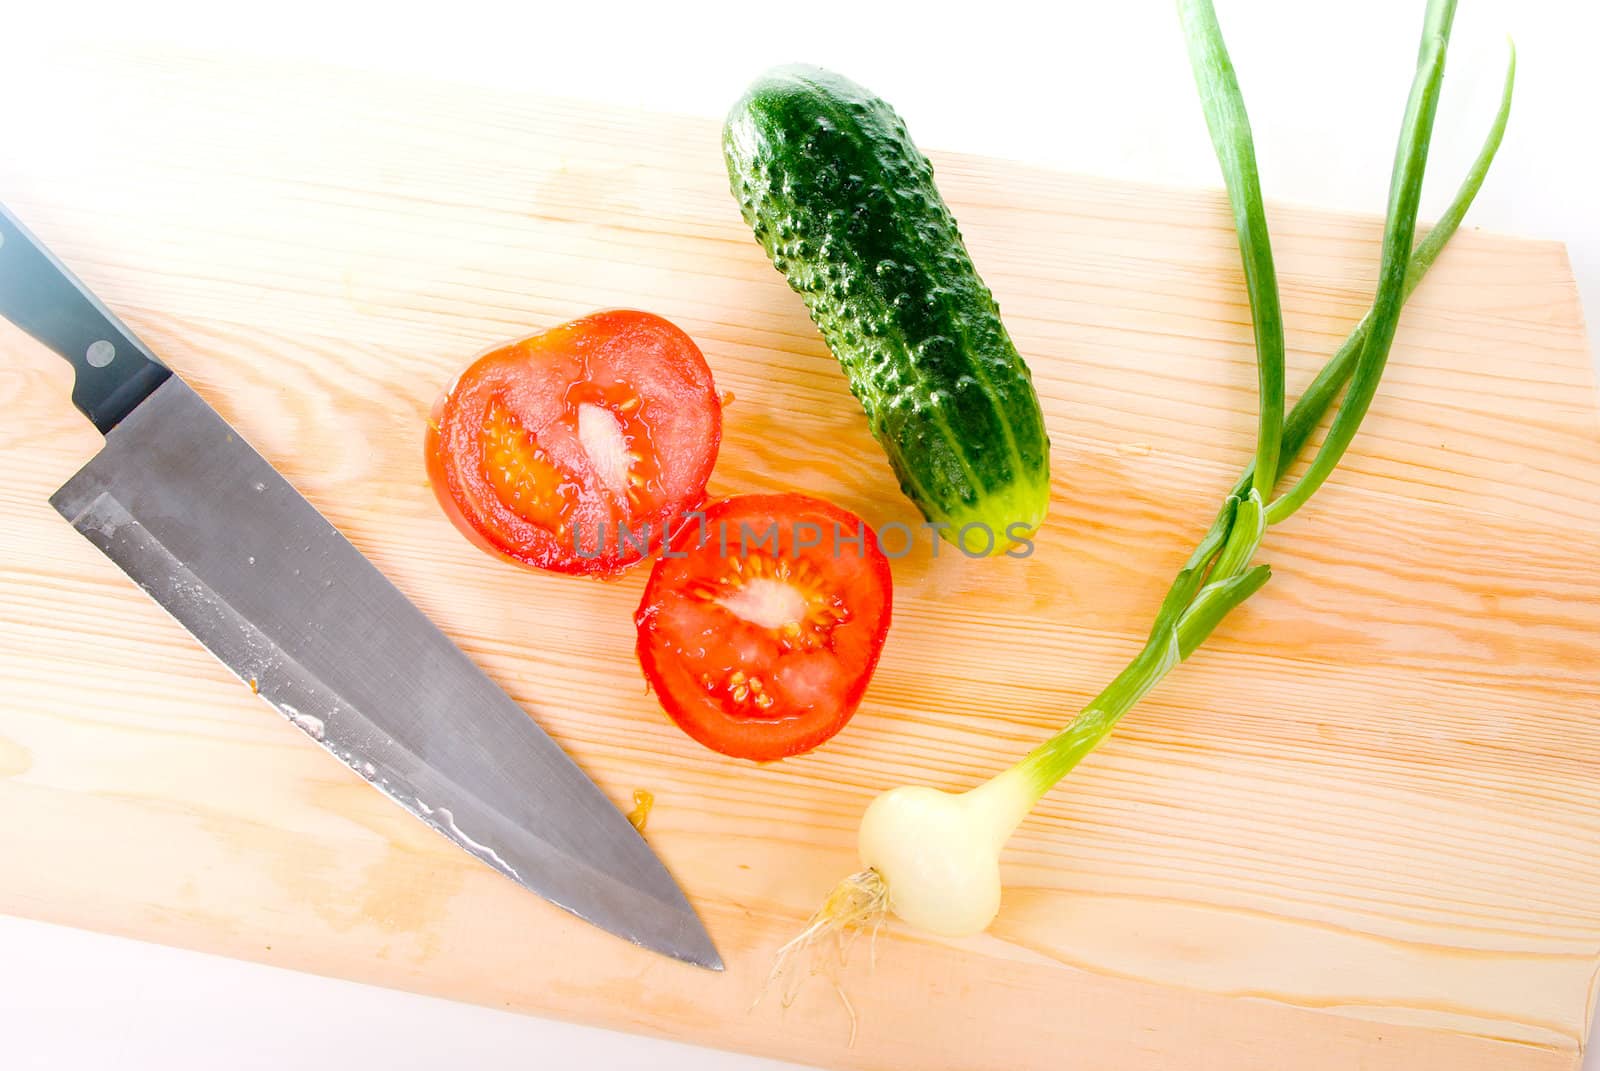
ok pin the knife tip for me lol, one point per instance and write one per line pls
(690, 946)
(697, 951)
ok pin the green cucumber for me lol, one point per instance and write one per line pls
(845, 205)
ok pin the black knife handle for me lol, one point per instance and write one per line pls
(114, 371)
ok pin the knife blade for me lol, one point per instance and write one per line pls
(198, 519)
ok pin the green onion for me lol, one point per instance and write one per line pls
(932, 857)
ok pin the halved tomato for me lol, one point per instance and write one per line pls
(579, 448)
(760, 626)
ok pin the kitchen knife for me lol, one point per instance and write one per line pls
(184, 506)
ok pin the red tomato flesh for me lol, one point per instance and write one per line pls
(762, 647)
(546, 450)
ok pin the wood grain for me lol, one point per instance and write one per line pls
(1359, 830)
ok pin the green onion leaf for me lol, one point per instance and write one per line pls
(1223, 104)
(1400, 225)
(1313, 405)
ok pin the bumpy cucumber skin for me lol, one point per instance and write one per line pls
(845, 205)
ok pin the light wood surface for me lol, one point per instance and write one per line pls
(1360, 829)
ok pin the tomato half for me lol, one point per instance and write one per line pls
(576, 449)
(760, 628)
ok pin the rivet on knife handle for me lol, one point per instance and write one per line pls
(114, 370)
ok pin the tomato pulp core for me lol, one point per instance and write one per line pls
(789, 601)
(601, 436)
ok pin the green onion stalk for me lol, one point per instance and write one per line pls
(931, 857)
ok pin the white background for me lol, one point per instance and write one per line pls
(1096, 86)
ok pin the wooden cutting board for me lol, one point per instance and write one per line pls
(1360, 829)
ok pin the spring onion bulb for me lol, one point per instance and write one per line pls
(932, 858)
